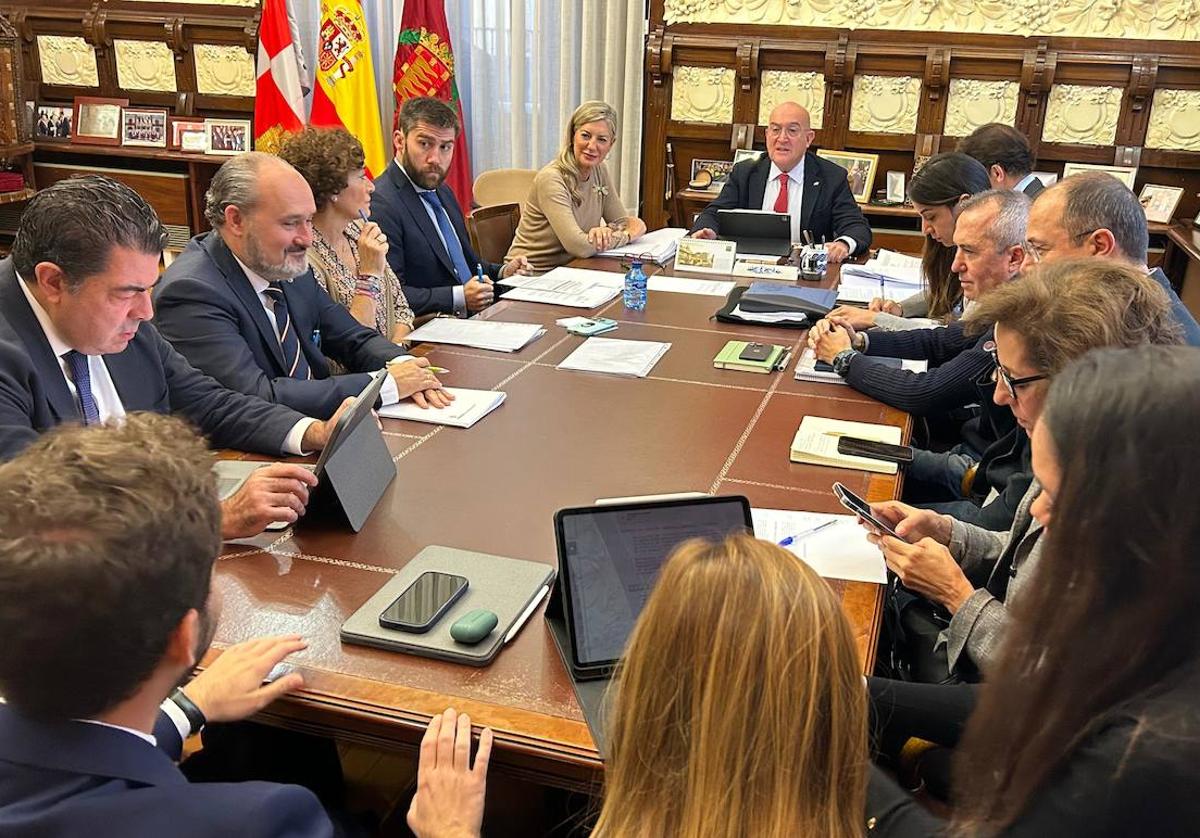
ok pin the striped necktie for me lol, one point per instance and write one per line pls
(82, 376)
(293, 358)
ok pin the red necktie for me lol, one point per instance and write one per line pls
(781, 200)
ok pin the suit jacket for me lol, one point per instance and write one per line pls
(1034, 187)
(415, 250)
(148, 375)
(1191, 329)
(74, 778)
(214, 318)
(827, 209)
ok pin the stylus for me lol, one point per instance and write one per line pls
(529, 609)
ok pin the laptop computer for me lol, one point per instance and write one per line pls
(608, 561)
(351, 442)
(756, 231)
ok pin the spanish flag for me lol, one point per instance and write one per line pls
(345, 91)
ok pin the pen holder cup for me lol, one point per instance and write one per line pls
(813, 262)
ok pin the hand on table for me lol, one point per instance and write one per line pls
(271, 494)
(602, 237)
(704, 233)
(858, 318)
(516, 265)
(413, 378)
(912, 523)
(926, 568)
(886, 306)
(232, 688)
(450, 793)
(836, 252)
(829, 337)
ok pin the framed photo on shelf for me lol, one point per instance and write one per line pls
(1126, 174)
(860, 170)
(144, 127)
(52, 123)
(710, 174)
(185, 134)
(97, 120)
(1196, 221)
(226, 136)
(895, 188)
(746, 154)
(1160, 202)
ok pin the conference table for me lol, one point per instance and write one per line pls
(561, 439)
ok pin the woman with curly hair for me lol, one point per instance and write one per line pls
(348, 253)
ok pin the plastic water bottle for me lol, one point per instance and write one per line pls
(635, 287)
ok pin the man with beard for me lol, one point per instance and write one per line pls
(430, 250)
(108, 537)
(242, 305)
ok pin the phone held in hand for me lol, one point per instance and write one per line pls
(863, 510)
(855, 447)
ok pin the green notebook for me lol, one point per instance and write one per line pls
(729, 358)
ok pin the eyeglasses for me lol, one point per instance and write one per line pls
(1000, 374)
(793, 130)
(1037, 252)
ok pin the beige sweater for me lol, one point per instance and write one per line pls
(553, 230)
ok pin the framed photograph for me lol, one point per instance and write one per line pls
(1126, 174)
(226, 136)
(144, 127)
(860, 170)
(710, 174)
(52, 123)
(1160, 202)
(179, 126)
(1196, 221)
(97, 120)
(895, 188)
(746, 154)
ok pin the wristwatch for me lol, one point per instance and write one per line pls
(841, 361)
(193, 713)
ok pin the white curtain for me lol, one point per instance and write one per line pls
(522, 67)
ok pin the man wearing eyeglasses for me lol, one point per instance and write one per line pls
(789, 179)
(1094, 214)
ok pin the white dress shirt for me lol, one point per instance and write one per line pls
(1025, 181)
(460, 296)
(795, 198)
(388, 392)
(108, 402)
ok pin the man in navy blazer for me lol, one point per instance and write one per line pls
(789, 179)
(115, 533)
(1006, 153)
(429, 247)
(242, 305)
(73, 346)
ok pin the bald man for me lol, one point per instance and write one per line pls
(242, 305)
(813, 191)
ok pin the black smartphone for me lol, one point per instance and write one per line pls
(863, 510)
(424, 602)
(855, 447)
(756, 352)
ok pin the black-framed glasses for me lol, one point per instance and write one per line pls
(999, 374)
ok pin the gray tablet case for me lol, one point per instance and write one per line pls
(505, 586)
(592, 694)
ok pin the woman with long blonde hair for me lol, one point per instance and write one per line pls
(573, 210)
(739, 710)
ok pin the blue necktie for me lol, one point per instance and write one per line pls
(82, 376)
(293, 358)
(453, 245)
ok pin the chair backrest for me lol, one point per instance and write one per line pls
(492, 230)
(503, 186)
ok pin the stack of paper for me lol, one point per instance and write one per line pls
(816, 443)
(572, 287)
(790, 318)
(468, 407)
(889, 275)
(631, 358)
(808, 368)
(657, 247)
(480, 334)
(685, 285)
(835, 546)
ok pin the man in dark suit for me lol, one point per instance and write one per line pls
(112, 533)
(242, 305)
(789, 179)
(1094, 214)
(73, 346)
(1006, 154)
(429, 247)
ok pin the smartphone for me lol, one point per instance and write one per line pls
(424, 602)
(863, 510)
(756, 352)
(593, 327)
(855, 447)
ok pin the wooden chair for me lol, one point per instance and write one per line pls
(492, 230)
(503, 186)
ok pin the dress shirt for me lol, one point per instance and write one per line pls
(795, 188)
(108, 402)
(140, 734)
(173, 713)
(1025, 181)
(388, 392)
(460, 296)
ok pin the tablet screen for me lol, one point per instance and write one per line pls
(611, 555)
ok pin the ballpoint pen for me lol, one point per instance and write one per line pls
(792, 539)
(362, 213)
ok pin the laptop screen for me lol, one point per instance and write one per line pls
(609, 557)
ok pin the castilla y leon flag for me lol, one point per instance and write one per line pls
(425, 67)
(344, 95)
(279, 97)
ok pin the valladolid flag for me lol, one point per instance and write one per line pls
(425, 67)
(344, 95)
(279, 96)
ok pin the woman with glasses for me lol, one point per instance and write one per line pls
(970, 575)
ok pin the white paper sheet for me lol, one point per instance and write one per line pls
(658, 246)
(630, 358)
(572, 287)
(480, 334)
(468, 407)
(684, 285)
(840, 551)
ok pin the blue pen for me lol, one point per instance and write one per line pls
(479, 271)
(362, 213)
(792, 539)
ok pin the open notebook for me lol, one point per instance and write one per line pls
(817, 437)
